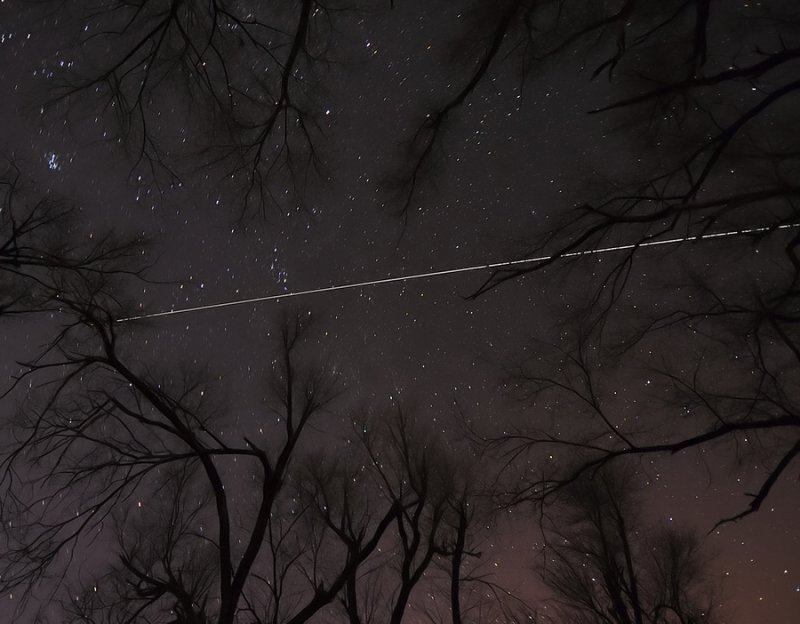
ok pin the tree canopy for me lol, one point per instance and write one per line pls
(679, 265)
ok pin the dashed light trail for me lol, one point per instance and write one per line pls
(467, 269)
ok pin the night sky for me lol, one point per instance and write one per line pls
(512, 160)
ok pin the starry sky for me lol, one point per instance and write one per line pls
(518, 154)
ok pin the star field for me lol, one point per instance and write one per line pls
(515, 158)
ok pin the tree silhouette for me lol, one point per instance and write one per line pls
(729, 389)
(107, 445)
(708, 92)
(706, 98)
(44, 251)
(240, 80)
(433, 546)
(704, 102)
(98, 434)
(603, 565)
(195, 525)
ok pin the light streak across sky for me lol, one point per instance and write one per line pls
(443, 272)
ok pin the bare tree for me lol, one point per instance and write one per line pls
(720, 380)
(44, 250)
(703, 97)
(98, 443)
(196, 526)
(432, 562)
(604, 565)
(241, 80)
(708, 91)
(101, 438)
